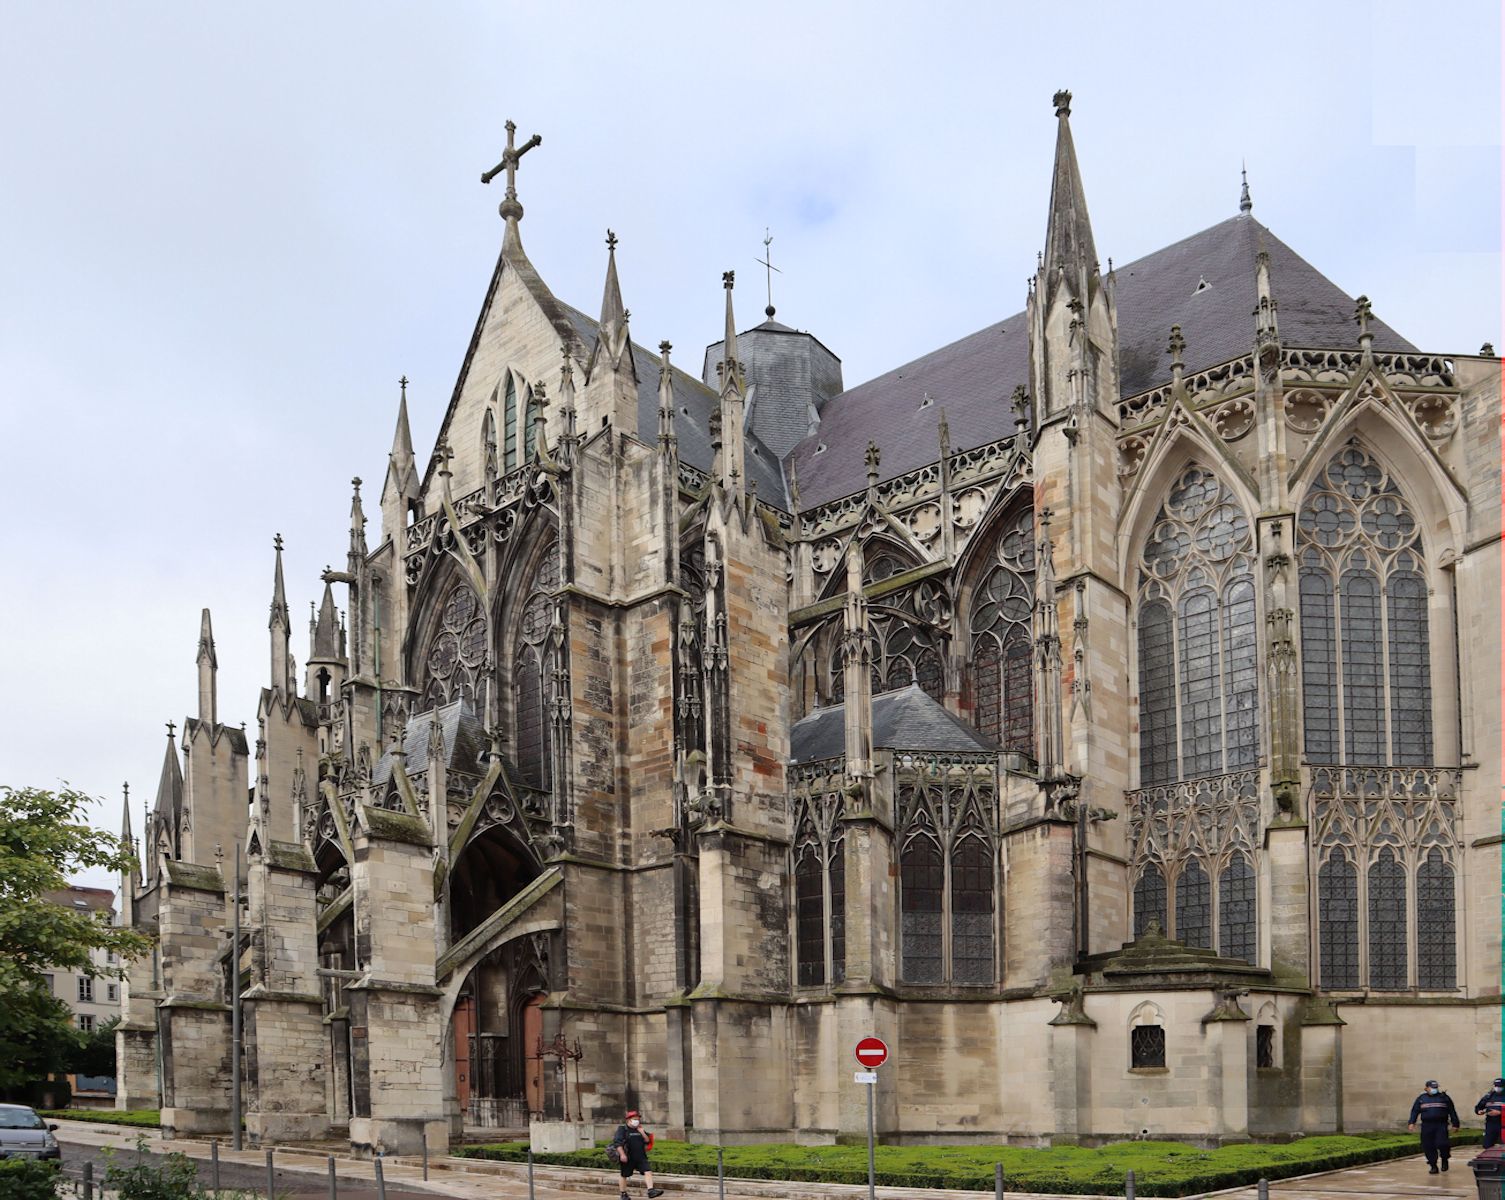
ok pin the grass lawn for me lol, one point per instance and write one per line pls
(143, 1117)
(1160, 1168)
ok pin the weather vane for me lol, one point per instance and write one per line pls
(767, 262)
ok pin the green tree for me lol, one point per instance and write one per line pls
(96, 1052)
(44, 840)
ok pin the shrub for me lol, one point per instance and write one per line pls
(146, 1118)
(27, 1179)
(171, 1177)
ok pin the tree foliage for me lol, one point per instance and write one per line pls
(44, 840)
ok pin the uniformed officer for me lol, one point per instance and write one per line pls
(1490, 1106)
(1434, 1108)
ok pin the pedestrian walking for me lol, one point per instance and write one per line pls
(631, 1146)
(1490, 1106)
(1434, 1108)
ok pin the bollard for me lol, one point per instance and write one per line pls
(381, 1182)
(1129, 1186)
(425, 1157)
(530, 1173)
(1264, 1189)
(271, 1176)
(720, 1174)
(88, 1181)
(334, 1187)
(214, 1163)
(997, 1181)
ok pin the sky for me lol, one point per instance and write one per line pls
(226, 230)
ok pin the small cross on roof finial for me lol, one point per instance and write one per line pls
(277, 541)
(1176, 347)
(611, 240)
(510, 209)
(171, 728)
(403, 384)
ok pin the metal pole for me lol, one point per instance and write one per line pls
(1264, 1189)
(530, 1173)
(214, 1163)
(235, 1009)
(1129, 1186)
(381, 1182)
(997, 1181)
(334, 1187)
(720, 1174)
(872, 1185)
(271, 1177)
(88, 1181)
(425, 1157)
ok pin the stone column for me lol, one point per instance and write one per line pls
(1321, 1068)
(283, 1011)
(193, 1018)
(1287, 900)
(1072, 1034)
(396, 1024)
(1038, 901)
(1226, 1029)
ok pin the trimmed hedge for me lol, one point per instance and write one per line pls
(28, 1179)
(146, 1118)
(1160, 1168)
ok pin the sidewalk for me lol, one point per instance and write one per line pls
(475, 1179)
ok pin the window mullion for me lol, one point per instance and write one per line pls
(1382, 574)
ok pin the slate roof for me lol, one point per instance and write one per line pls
(972, 379)
(464, 742)
(907, 719)
(693, 405)
(237, 736)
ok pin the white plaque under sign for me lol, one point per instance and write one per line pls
(865, 1076)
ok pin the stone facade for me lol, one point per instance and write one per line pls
(1101, 709)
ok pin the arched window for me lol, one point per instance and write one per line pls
(838, 878)
(1149, 900)
(532, 683)
(530, 433)
(1002, 641)
(1436, 923)
(971, 911)
(1236, 922)
(922, 876)
(1387, 922)
(1193, 906)
(1198, 682)
(689, 705)
(810, 916)
(509, 426)
(457, 663)
(490, 464)
(1365, 654)
(1338, 918)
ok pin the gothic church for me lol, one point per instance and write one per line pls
(1102, 709)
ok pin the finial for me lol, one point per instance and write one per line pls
(1245, 204)
(356, 484)
(277, 541)
(1062, 101)
(728, 279)
(872, 457)
(1044, 518)
(1176, 347)
(611, 241)
(1020, 402)
(1487, 350)
(403, 384)
(1363, 311)
(445, 454)
(171, 730)
(509, 208)
(769, 269)
(663, 349)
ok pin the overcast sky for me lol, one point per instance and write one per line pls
(226, 230)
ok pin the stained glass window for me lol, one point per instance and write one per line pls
(987, 687)
(457, 663)
(1198, 681)
(1338, 920)
(971, 912)
(1436, 923)
(1147, 1046)
(1149, 900)
(1387, 922)
(810, 917)
(1193, 906)
(689, 703)
(532, 685)
(921, 885)
(530, 432)
(1236, 913)
(1356, 527)
(509, 426)
(1002, 638)
(838, 911)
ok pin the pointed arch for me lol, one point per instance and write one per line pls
(509, 423)
(450, 658)
(999, 607)
(922, 882)
(532, 664)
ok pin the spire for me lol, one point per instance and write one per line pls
(357, 525)
(1068, 233)
(325, 645)
(402, 470)
(613, 340)
(208, 664)
(1245, 204)
(665, 395)
(169, 806)
(732, 409)
(281, 626)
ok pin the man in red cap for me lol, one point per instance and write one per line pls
(631, 1146)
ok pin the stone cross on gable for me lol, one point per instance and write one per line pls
(510, 208)
(1363, 312)
(1177, 346)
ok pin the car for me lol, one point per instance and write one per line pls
(23, 1134)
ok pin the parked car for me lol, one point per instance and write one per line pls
(23, 1134)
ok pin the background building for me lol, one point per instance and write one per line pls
(95, 1001)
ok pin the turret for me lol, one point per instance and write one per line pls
(326, 666)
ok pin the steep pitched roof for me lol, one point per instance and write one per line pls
(907, 719)
(971, 379)
(464, 741)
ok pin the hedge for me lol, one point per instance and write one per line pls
(146, 1118)
(1160, 1168)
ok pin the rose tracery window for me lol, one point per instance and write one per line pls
(457, 662)
(1198, 680)
(1002, 639)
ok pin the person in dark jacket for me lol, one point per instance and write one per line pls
(1491, 1105)
(1434, 1108)
(631, 1146)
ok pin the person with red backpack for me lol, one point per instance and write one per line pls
(630, 1149)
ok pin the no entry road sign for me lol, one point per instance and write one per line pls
(871, 1052)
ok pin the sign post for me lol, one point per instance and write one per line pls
(871, 1053)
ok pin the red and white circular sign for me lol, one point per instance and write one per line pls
(871, 1052)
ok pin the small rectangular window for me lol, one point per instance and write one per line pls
(112, 992)
(1147, 1046)
(86, 1022)
(1264, 1046)
(86, 987)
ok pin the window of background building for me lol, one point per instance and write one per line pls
(85, 987)
(112, 992)
(86, 1022)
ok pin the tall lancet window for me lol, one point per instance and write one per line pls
(1198, 681)
(689, 706)
(509, 426)
(491, 464)
(1365, 661)
(1002, 640)
(532, 681)
(457, 663)
(530, 433)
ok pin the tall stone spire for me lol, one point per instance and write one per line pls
(208, 664)
(733, 407)
(401, 489)
(611, 378)
(281, 626)
(1069, 247)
